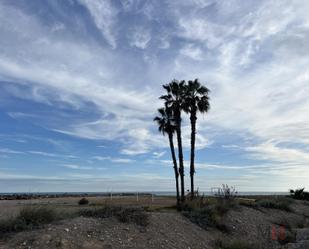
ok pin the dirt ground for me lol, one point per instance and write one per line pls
(166, 229)
(68, 204)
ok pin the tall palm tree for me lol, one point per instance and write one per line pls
(196, 100)
(167, 125)
(174, 100)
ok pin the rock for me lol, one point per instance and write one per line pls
(64, 243)
(304, 244)
(302, 234)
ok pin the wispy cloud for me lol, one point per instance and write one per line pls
(158, 154)
(113, 159)
(74, 166)
(20, 115)
(42, 153)
(9, 151)
(140, 37)
(104, 16)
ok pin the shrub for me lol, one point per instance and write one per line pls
(192, 204)
(35, 216)
(299, 194)
(226, 192)
(28, 218)
(208, 212)
(224, 205)
(137, 216)
(208, 216)
(282, 204)
(83, 201)
(105, 212)
(123, 214)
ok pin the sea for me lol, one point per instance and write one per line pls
(156, 193)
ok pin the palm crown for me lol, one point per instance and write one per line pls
(166, 122)
(196, 97)
(174, 98)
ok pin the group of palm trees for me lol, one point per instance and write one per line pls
(189, 97)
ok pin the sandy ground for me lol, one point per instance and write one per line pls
(11, 207)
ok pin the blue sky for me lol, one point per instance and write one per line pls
(80, 80)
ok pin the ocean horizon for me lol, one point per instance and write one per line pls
(159, 193)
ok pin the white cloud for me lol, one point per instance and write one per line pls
(192, 52)
(122, 160)
(9, 151)
(272, 151)
(42, 153)
(139, 37)
(158, 154)
(75, 166)
(104, 15)
(114, 159)
(17, 115)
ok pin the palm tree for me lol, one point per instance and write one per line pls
(196, 100)
(166, 124)
(174, 100)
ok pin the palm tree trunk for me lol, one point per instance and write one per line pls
(180, 156)
(170, 136)
(192, 155)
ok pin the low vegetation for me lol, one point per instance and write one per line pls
(278, 203)
(299, 194)
(83, 201)
(123, 214)
(28, 218)
(208, 212)
(281, 203)
(34, 217)
(226, 192)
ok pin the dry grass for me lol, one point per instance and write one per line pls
(28, 218)
(123, 214)
(208, 212)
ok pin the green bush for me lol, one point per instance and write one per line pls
(28, 218)
(283, 204)
(35, 216)
(299, 194)
(123, 214)
(223, 206)
(83, 201)
(209, 215)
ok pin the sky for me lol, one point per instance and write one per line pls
(80, 81)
